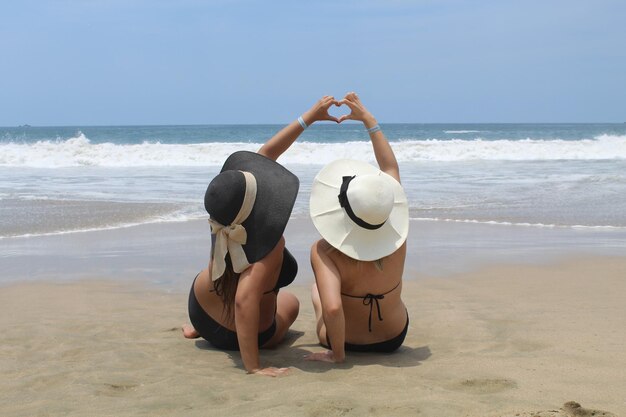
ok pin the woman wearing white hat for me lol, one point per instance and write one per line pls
(362, 214)
(236, 303)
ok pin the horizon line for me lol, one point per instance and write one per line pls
(26, 125)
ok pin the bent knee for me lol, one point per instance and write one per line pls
(296, 310)
(290, 305)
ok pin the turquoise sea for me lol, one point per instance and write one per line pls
(56, 180)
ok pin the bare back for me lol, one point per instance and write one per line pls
(212, 303)
(360, 278)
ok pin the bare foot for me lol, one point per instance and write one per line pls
(189, 332)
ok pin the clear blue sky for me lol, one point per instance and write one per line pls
(85, 62)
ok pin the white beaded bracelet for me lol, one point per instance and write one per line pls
(302, 123)
(373, 129)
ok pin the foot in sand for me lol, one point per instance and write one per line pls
(189, 332)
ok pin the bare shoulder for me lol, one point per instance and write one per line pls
(275, 255)
(322, 245)
(324, 249)
(264, 269)
(401, 251)
(321, 249)
(398, 257)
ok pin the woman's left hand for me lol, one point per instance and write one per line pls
(319, 111)
(326, 356)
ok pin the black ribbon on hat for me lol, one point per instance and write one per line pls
(343, 202)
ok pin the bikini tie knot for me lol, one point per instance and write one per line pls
(370, 300)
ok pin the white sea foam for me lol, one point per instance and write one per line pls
(518, 224)
(461, 131)
(176, 217)
(79, 151)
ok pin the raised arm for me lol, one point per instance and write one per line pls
(282, 140)
(382, 150)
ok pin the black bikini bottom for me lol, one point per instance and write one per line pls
(216, 334)
(387, 346)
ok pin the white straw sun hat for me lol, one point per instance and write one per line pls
(360, 210)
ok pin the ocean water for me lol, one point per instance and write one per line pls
(56, 180)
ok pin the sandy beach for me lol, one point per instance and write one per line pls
(506, 339)
(503, 121)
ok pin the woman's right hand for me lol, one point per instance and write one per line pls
(319, 111)
(357, 110)
(270, 371)
(382, 150)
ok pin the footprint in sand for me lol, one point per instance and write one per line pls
(330, 409)
(569, 409)
(484, 385)
(406, 410)
(573, 409)
(117, 389)
(121, 387)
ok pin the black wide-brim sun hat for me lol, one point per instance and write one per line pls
(277, 189)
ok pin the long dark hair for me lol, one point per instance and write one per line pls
(226, 288)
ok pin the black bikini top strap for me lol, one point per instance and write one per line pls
(364, 296)
(397, 285)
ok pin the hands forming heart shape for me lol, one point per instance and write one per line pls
(338, 111)
(320, 111)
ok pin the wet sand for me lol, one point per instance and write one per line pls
(504, 340)
(169, 255)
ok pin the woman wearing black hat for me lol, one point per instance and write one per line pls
(236, 304)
